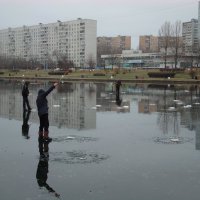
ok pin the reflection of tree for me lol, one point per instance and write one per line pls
(163, 116)
(65, 88)
(168, 119)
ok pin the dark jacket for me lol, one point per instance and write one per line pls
(25, 90)
(41, 101)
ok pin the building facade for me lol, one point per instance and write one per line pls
(190, 37)
(111, 45)
(199, 21)
(148, 43)
(118, 43)
(74, 39)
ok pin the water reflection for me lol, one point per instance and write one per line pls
(25, 125)
(75, 105)
(43, 168)
(117, 91)
(156, 144)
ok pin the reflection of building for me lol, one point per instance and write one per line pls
(197, 139)
(74, 110)
(107, 101)
(145, 107)
(66, 109)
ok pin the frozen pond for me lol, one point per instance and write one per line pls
(146, 148)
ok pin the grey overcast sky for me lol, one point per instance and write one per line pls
(114, 17)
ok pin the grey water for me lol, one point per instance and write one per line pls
(145, 145)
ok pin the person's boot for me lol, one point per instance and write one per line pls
(46, 137)
(40, 136)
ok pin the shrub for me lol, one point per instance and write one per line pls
(192, 73)
(99, 74)
(57, 73)
(172, 70)
(161, 74)
(1, 72)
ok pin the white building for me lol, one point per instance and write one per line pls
(190, 37)
(132, 59)
(199, 22)
(75, 39)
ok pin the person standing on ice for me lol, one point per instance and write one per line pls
(42, 107)
(25, 93)
(117, 91)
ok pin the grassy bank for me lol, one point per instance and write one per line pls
(104, 75)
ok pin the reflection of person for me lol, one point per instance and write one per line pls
(25, 93)
(43, 168)
(42, 106)
(25, 125)
(117, 86)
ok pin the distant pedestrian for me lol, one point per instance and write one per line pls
(42, 107)
(117, 91)
(117, 86)
(25, 94)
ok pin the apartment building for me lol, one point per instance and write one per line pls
(75, 39)
(148, 43)
(117, 43)
(199, 21)
(111, 45)
(190, 37)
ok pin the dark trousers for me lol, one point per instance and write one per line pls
(44, 122)
(26, 103)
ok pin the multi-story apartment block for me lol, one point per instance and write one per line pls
(199, 22)
(190, 37)
(148, 43)
(111, 45)
(74, 39)
(118, 43)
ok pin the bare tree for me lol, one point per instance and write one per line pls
(91, 62)
(105, 48)
(64, 62)
(198, 56)
(176, 43)
(165, 36)
(102, 49)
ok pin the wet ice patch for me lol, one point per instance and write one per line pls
(56, 106)
(74, 138)
(77, 157)
(171, 109)
(93, 108)
(172, 140)
(98, 106)
(187, 106)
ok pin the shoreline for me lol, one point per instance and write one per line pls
(69, 79)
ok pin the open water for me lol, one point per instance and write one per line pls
(144, 146)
